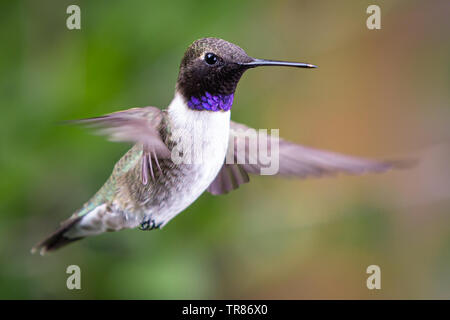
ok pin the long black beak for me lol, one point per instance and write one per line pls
(262, 62)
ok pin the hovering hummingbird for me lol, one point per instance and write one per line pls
(147, 188)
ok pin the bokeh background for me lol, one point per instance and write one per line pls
(377, 93)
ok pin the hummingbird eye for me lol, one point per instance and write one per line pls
(210, 58)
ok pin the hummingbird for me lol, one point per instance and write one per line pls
(149, 186)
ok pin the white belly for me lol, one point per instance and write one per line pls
(206, 133)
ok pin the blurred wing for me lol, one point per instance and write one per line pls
(137, 125)
(228, 178)
(294, 160)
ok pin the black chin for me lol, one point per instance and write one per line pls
(220, 83)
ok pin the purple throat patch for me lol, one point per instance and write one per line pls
(211, 103)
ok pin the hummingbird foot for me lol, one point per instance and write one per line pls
(149, 224)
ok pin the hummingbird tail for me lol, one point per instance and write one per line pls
(100, 219)
(58, 238)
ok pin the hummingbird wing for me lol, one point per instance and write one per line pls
(228, 178)
(244, 156)
(137, 125)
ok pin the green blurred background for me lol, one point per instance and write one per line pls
(381, 93)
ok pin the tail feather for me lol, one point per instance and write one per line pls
(90, 222)
(57, 239)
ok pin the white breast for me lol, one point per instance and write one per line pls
(207, 134)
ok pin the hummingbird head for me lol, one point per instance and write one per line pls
(211, 69)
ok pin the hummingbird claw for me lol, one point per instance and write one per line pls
(148, 224)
